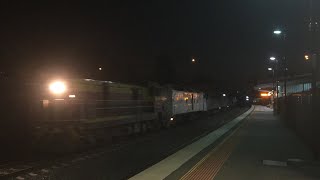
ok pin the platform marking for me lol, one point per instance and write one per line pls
(44, 170)
(209, 166)
(33, 174)
(295, 160)
(168, 165)
(274, 163)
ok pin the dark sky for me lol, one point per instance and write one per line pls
(151, 40)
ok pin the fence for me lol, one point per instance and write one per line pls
(301, 112)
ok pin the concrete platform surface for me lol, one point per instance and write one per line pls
(261, 148)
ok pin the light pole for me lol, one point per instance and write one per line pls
(273, 89)
(275, 68)
(278, 32)
(272, 69)
(313, 41)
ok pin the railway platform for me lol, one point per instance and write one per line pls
(258, 147)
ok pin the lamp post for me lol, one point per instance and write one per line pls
(278, 32)
(283, 61)
(273, 69)
(313, 28)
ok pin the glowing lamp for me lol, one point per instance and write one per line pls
(265, 94)
(277, 32)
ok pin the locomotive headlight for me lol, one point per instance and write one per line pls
(57, 87)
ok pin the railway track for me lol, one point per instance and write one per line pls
(11, 170)
(35, 170)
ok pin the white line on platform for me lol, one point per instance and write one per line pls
(45, 170)
(274, 163)
(168, 165)
(295, 160)
(33, 174)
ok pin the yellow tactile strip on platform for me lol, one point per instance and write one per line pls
(209, 166)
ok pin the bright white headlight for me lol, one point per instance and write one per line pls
(57, 87)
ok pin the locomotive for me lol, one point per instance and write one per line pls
(79, 113)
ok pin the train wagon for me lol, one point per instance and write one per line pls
(172, 105)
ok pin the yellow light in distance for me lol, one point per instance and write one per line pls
(57, 87)
(265, 94)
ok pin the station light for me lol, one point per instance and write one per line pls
(269, 69)
(272, 58)
(100, 68)
(171, 119)
(224, 95)
(277, 32)
(265, 94)
(306, 57)
(193, 60)
(57, 87)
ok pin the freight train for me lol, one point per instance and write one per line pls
(79, 113)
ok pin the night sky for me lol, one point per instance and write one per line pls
(152, 40)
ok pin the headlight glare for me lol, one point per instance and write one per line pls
(57, 87)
